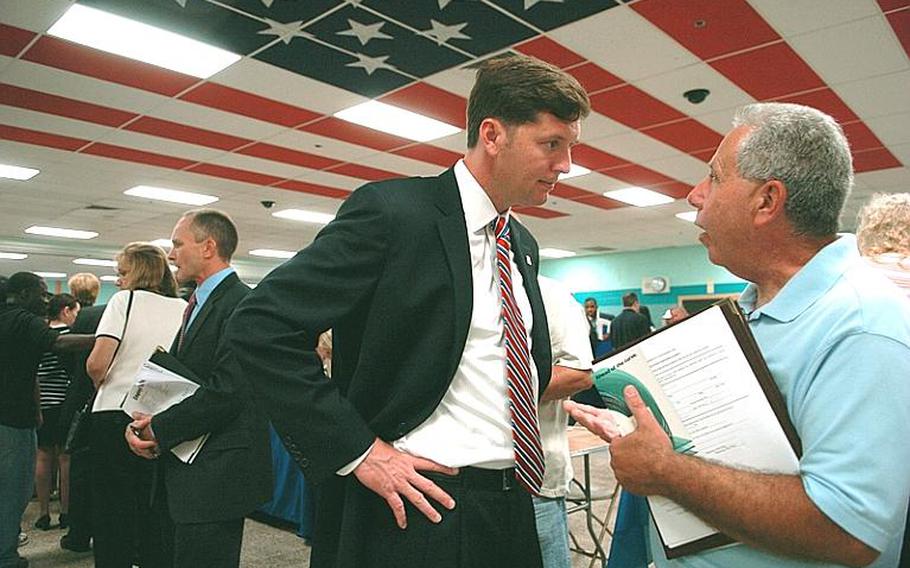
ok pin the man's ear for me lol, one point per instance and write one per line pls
(771, 200)
(492, 135)
(209, 248)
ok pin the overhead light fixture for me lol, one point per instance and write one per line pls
(555, 253)
(51, 274)
(17, 172)
(95, 262)
(574, 171)
(58, 232)
(163, 243)
(398, 121)
(639, 196)
(171, 195)
(13, 256)
(272, 253)
(129, 38)
(687, 216)
(304, 216)
(109, 278)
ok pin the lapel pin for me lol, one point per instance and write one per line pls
(528, 259)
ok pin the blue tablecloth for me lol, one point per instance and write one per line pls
(291, 499)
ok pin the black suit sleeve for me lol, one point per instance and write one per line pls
(274, 331)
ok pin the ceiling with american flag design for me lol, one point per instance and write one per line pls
(96, 124)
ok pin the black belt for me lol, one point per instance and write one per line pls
(478, 478)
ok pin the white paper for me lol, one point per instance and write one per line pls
(712, 405)
(156, 389)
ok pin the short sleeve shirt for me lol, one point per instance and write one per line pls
(837, 341)
(24, 337)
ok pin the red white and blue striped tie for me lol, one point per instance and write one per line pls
(522, 403)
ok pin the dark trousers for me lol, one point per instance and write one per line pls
(490, 527)
(80, 512)
(125, 527)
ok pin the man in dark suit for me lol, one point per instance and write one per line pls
(208, 499)
(629, 325)
(410, 444)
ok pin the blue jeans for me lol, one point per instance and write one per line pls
(552, 531)
(17, 477)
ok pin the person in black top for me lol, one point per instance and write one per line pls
(629, 325)
(24, 336)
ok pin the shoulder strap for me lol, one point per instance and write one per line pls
(126, 321)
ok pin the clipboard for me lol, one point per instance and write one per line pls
(680, 386)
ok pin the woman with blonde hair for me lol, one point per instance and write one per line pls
(143, 315)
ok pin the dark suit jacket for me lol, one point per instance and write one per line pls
(81, 386)
(628, 326)
(232, 474)
(391, 276)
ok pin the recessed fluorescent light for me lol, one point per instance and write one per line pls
(555, 253)
(13, 256)
(305, 216)
(163, 243)
(172, 195)
(58, 232)
(94, 262)
(272, 253)
(109, 278)
(574, 171)
(129, 38)
(17, 172)
(51, 274)
(639, 196)
(397, 121)
(687, 216)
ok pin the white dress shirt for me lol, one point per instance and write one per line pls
(471, 425)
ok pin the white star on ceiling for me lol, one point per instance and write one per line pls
(531, 3)
(370, 64)
(443, 33)
(363, 32)
(285, 32)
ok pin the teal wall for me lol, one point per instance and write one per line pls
(607, 277)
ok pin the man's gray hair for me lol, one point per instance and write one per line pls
(807, 151)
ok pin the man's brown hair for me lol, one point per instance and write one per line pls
(515, 88)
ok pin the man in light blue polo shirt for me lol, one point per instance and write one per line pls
(836, 337)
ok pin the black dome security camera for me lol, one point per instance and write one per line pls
(696, 96)
(267, 203)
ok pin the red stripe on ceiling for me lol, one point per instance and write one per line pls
(675, 189)
(546, 49)
(877, 159)
(595, 159)
(431, 101)
(315, 189)
(826, 101)
(594, 78)
(769, 72)
(184, 133)
(137, 156)
(569, 192)
(633, 107)
(247, 104)
(363, 172)
(288, 156)
(37, 138)
(601, 202)
(332, 127)
(638, 175)
(540, 212)
(888, 5)
(429, 154)
(705, 155)
(235, 174)
(708, 28)
(68, 56)
(861, 137)
(688, 135)
(62, 106)
(13, 40)
(900, 23)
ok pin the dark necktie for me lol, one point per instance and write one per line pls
(190, 306)
(529, 466)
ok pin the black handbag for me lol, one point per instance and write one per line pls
(77, 436)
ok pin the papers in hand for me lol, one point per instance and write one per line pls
(155, 390)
